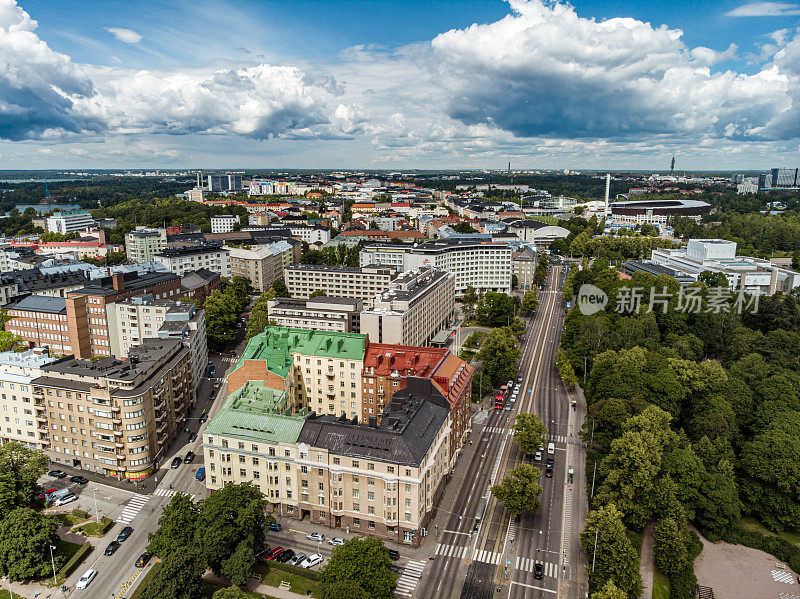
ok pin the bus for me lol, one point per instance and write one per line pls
(498, 402)
(479, 513)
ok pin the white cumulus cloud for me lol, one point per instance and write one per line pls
(129, 36)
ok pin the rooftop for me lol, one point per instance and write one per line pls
(386, 358)
(33, 358)
(190, 250)
(40, 303)
(132, 281)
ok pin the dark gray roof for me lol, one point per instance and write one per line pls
(40, 303)
(133, 280)
(408, 428)
(189, 250)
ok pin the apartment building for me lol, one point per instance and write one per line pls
(23, 417)
(132, 321)
(224, 223)
(181, 260)
(319, 370)
(261, 265)
(323, 313)
(523, 262)
(418, 304)
(142, 244)
(197, 284)
(113, 417)
(69, 222)
(340, 281)
(77, 324)
(382, 479)
(485, 265)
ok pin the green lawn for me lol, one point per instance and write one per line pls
(299, 584)
(753, 524)
(475, 339)
(74, 517)
(5, 595)
(95, 529)
(660, 585)
(209, 588)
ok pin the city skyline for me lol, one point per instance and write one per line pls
(592, 85)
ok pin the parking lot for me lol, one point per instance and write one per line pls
(109, 501)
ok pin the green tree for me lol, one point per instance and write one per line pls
(565, 370)
(233, 592)
(464, 227)
(609, 591)
(530, 301)
(179, 577)
(259, 315)
(232, 515)
(365, 562)
(529, 433)
(495, 309)
(20, 469)
(713, 279)
(344, 589)
(519, 490)
(25, 539)
(220, 320)
(469, 301)
(499, 354)
(615, 557)
(670, 537)
(176, 527)
(280, 288)
(239, 566)
(317, 293)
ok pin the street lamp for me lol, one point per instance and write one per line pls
(53, 563)
(96, 513)
(8, 580)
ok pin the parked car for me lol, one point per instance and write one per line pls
(87, 577)
(46, 494)
(203, 418)
(274, 553)
(285, 556)
(551, 448)
(81, 480)
(538, 456)
(112, 547)
(143, 559)
(69, 498)
(275, 527)
(548, 473)
(551, 463)
(538, 571)
(192, 437)
(57, 473)
(394, 554)
(176, 461)
(124, 534)
(297, 559)
(336, 541)
(311, 561)
(189, 458)
(200, 475)
(315, 536)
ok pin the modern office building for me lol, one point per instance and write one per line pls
(323, 313)
(142, 244)
(340, 281)
(536, 232)
(224, 223)
(132, 321)
(229, 182)
(117, 417)
(418, 304)
(523, 263)
(23, 416)
(69, 222)
(485, 265)
(181, 260)
(656, 212)
(262, 264)
(755, 275)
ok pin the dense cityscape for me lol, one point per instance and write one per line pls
(406, 300)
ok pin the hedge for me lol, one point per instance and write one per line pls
(307, 573)
(683, 584)
(74, 561)
(785, 551)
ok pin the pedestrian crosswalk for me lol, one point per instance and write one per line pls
(451, 550)
(498, 429)
(528, 564)
(486, 556)
(135, 505)
(782, 576)
(409, 578)
(168, 493)
(558, 439)
(228, 359)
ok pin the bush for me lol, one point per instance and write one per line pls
(75, 561)
(784, 550)
(96, 529)
(263, 569)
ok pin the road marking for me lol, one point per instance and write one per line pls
(779, 576)
(409, 578)
(528, 564)
(457, 532)
(530, 586)
(445, 550)
(125, 586)
(170, 493)
(135, 505)
(486, 556)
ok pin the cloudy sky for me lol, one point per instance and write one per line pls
(614, 84)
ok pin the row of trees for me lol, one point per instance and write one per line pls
(339, 255)
(222, 310)
(520, 489)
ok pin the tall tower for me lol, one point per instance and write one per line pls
(672, 166)
(509, 169)
(608, 194)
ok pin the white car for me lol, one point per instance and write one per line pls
(311, 561)
(315, 536)
(87, 577)
(65, 499)
(336, 541)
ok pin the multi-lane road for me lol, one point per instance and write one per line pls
(481, 552)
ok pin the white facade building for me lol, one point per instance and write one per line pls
(69, 222)
(224, 223)
(182, 260)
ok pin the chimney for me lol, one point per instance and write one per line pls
(373, 422)
(118, 281)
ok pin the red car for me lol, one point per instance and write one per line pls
(275, 553)
(46, 493)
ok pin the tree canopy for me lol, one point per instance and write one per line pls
(364, 563)
(519, 490)
(529, 432)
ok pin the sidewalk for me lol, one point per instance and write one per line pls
(646, 562)
(256, 586)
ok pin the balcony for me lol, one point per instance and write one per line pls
(161, 428)
(118, 433)
(41, 416)
(330, 374)
(116, 420)
(118, 444)
(115, 409)
(38, 392)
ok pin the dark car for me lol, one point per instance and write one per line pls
(285, 556)
(203, 418)
(551, 462)
(538, 571)
(112, 547)
(177, 461)
(274, 553)
(275, 527)
(394, 554)
(192, 437)
(81, 480)
(548, 473)
(189, 457)
(124, 534)
(57, 473)
(143, 559)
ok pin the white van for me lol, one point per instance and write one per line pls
(551, 448)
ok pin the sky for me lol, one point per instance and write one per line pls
(399, 84)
